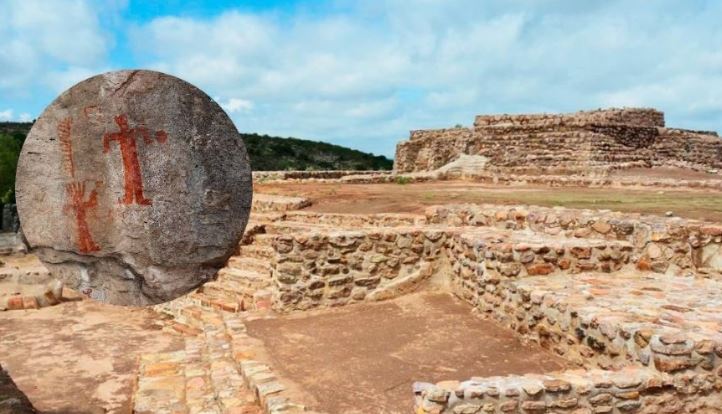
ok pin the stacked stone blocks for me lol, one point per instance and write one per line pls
(584, 143)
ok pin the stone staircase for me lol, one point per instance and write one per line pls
(213, 374)
(571, 281)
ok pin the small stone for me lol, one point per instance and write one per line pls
(532, 389)
(642, 337)
(654, 251)
(340, 280)
(602, 398)
(644, 265)
(540, 269)
(624, 381)
(570, 402)
(629, 405)
(628, 395)
(581, 252)
(671, 364)
(534, 406)
(704, 347)
(467, 409)
(601, 227)
(557, 385)
(437, 395)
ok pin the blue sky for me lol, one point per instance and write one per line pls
(364, 73)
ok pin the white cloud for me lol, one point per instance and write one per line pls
(342, 76)
(364, 73)
(6, 115)
(42, 39)
(235, 105)
(9, 115)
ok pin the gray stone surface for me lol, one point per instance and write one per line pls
(133, 187)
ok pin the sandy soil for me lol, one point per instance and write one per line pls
(79, 357)
(414, 198)
(364, 358)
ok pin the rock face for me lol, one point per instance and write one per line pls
(134, 187)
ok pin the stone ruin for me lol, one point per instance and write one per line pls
(631, 302)
(581, 143)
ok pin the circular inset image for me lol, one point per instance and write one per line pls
(133, 187)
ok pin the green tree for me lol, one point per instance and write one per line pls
(9, 153)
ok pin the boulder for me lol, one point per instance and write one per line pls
(133, 187)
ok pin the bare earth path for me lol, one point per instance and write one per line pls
(364, 358)
(79, 357)
(413, 198)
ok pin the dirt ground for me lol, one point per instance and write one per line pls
(665, 172)
(414, 198)
(79, 357)
(364, 358)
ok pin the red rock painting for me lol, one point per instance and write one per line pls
(126, 138)
(80, 206)
(66, 145)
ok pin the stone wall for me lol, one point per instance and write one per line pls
(355, 220)
(480, 264)
(598, 322)
(664, 245)
(597, 391)
(315, 259)
(647, 117)
(580, 143)
(264, 203)
(337, 268)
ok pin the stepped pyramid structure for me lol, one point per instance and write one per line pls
(581, 143)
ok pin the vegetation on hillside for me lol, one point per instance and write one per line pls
(266, 153)
(273, 154)
(11, 141)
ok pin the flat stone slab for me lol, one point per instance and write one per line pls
(133, 187)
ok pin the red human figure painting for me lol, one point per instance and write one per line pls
(66, 144)
(126, 138)
(80, 206)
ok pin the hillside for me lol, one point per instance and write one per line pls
(273, 153)
(267, 154)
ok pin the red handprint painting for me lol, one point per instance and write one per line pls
(80, 206)
(126, 138)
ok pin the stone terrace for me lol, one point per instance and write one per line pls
(586, 143)
(632, 300)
